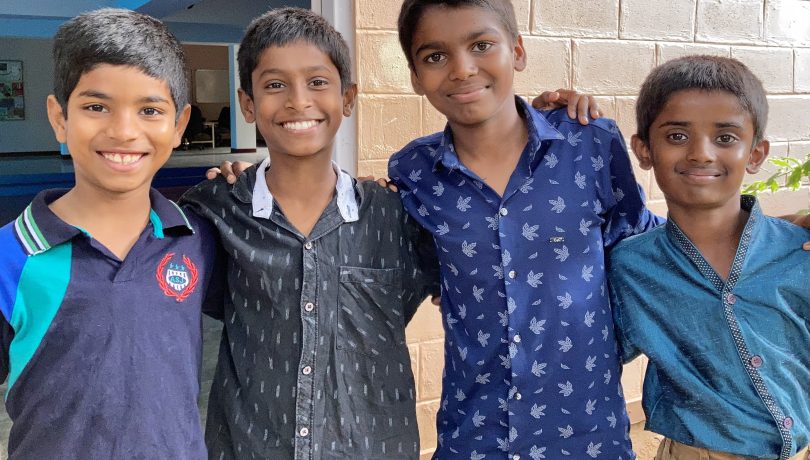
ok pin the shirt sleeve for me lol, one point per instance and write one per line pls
(6, 336)
(422, 276)
(216, 260)
(627, 350)
(625, 209)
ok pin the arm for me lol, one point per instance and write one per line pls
(625, 210)
(580, 106)
(627, 350)
(422, 268)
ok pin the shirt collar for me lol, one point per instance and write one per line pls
(539, 130)
(262, 199)
(39, 229)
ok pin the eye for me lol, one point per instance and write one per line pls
(274, 85)
(726, 139)
(482, 46)
(677, 137)
(434, 58)
(151, 111)
(319, 82)
(95, 108)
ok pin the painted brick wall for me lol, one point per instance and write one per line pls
(605, 48)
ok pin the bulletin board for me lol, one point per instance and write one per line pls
(12, 91)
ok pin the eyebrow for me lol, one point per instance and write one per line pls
(106, 97)
(724, 124)
(315, 68)
(471, 36)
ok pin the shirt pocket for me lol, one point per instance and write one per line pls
(370, 314)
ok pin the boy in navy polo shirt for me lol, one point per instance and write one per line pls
(102, 285)
(718, 298)
(523, 206)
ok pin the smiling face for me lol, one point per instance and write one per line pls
(120, 128)
(464, 63)
(297, 101)
(700, 147)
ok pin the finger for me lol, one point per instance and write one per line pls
(595, 111)
(382, 182)
(364, 178)
(392, 187)
(212, 173)
(806, 246)
(582, 109)
(436, 300)
(573, 101)
(545, 99)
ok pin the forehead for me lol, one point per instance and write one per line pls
(297, 56)
(441, 23)
(119, 80)
(704, 106)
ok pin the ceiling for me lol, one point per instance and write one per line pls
(41, 18)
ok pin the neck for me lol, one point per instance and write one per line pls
(501, 137)
(715, 232)
(306, 179)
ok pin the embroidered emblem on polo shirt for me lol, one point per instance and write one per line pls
(176, 279)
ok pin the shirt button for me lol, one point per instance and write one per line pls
(309, 306)
(756, 361)
(304, 431)
(518, 396)
(306, 370)
(308, 245)
(516, 338)
(512, 274)
(731, 298)
(516, 457)
(504, 211)
(787, 423)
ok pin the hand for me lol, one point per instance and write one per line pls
(579, 105)
(436, 300)
(382, 182)
(229, 170)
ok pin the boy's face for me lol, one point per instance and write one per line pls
(297, 101)
(120, 127)
(700, 147)
(464, 63)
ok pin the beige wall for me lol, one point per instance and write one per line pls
(605, 48)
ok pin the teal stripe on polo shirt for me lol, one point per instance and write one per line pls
(43, 283)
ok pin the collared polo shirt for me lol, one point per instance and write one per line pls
(313, 362)
(729, 365)
(102, 356)
(531, 368)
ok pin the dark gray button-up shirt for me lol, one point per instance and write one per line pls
(313, 362)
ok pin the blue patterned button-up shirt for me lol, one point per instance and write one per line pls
(729, 359)
(531, 365)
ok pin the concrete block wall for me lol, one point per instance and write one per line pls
(605, 48)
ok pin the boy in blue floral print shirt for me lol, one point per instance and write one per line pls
(717, 298)
(523, 206)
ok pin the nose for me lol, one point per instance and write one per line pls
(701, 152)
(463, 67)
(299, 97)
(123, 126)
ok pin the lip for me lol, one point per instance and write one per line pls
(700, 175)
(122, 160)
(468, 94)
(301, 126)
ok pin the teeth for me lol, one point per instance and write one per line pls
(122, 159)
(299, 125)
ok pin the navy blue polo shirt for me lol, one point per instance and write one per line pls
(103, 356)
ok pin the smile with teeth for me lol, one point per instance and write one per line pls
(122, 158)
(300, 125)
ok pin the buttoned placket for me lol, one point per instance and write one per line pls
(305, 387)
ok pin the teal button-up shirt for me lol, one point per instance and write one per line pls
(729, 359)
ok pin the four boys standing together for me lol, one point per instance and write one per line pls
(529, 212)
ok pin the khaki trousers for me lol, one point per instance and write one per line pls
(673, 450)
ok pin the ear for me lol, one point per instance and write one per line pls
(180, 125)
(758, 155)
(642, 151)
(57, 119)
(417, 86)
(349, 99)
(246, 104)
(519, 54)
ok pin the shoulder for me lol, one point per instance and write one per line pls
(378, 196)
(643, 246)
(559, 119)
(420, 149)
(205, 190)
(783, 234)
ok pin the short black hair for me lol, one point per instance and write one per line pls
(412, 11)
(284, 26)
(122, 38)
(707, 73)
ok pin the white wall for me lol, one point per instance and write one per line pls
(34, 133)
